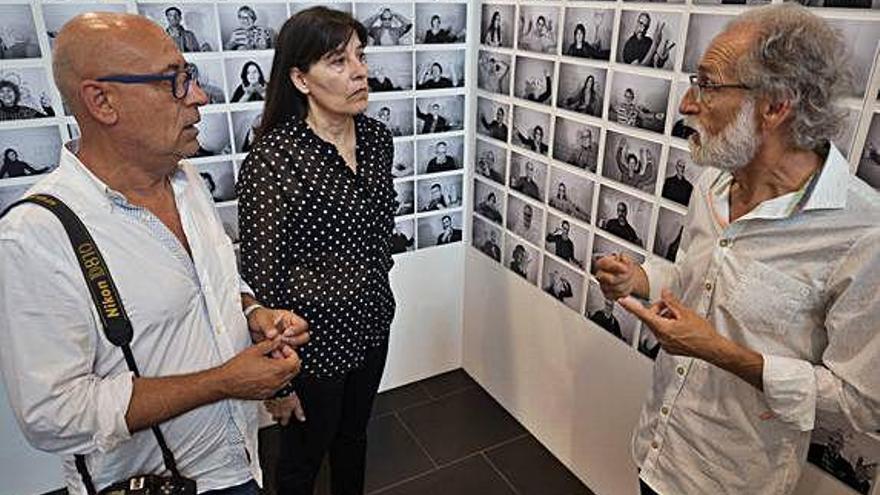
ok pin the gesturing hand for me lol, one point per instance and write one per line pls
(253, 374)
(616, 274)
(679, 329)
(266, 323)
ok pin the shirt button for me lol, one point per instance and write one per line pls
(680, 370)
(664, 410)
(655, 445)
(708, 286)
(724, 242)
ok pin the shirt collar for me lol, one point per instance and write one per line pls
(107, 197)
(826, 189)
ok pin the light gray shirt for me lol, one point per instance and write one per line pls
(796, 279)
(68, 386)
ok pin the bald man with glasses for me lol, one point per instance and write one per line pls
(194, 322)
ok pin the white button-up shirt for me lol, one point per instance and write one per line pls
(68, 386)
(796, 279)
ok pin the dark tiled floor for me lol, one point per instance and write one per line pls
(447, 436)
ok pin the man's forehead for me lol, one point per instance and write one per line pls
(724, 50)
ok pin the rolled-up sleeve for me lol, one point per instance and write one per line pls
(846, 381)
(48, 344)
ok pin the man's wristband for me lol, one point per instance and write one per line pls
(250, 309)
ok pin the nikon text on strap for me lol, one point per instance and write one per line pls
(117, 326)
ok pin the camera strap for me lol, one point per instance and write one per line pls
(105, 296)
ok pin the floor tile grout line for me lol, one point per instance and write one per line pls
(499, 473)
(416, 440)
(505, 442)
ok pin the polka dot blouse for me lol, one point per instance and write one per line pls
(316, 238)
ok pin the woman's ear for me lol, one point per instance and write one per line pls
(298, 78)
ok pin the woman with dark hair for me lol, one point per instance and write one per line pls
(253, 84)
(492, 36)
(10, 97)
(13, 167)
(586, 99)
(316, 206)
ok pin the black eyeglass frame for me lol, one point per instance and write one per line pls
(188, 69)
(701, 86)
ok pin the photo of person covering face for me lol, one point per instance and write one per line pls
(493, 72)
(387, 24)
(648, 39)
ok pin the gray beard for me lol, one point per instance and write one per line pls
(734, 147)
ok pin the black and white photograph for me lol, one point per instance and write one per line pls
(538, 28)
(733, 2)
(850, 125)
(493, 72)
(531, 130)
(247, 78)
(571, 194)
(439, 69)
(603, 246)
(528, 176)
(649, 39)
(701, 29)
(25, 93)
(869, 161)
(403, 237)
(440, 22)
(562, 283)
(192, 26)
(841, 4)
(390, 71)
(639, 101)
(250, 26)
(842, 452)
(18, 36)
(576, 144)
(624, 216)
(440, 114)
(581, 89)
(587, 33)
(667, 237)
(534, 80)
(404, 161)
(10, 193)
(439, 193)
(525, 219)
(229, 218)
(679, 127)
(209, 74)
(491, 161)
(214, 134)
(497, 25)
(610, 316)
(56, 15)
(567, 241)
(396, 115)
(406, 197)
(219, 179)
(340, 6)
(437, 230)
(29, 151)
(648, 344)
(521, 258)
(440, 154)
(486, 238)
(493, 119)
(631, 161)
(489, 202)
(861, 39)
(244, 129)
(388, 24)
(681, 175)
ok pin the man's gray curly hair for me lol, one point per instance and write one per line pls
(797, 57)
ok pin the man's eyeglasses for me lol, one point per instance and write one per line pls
(700, 86)
(181, 79)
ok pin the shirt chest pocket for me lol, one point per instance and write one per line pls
(767, 300)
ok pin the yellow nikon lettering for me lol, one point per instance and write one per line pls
(108, 302)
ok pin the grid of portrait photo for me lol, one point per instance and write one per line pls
(580, 150)
(416, 55)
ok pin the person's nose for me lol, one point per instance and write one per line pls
(689, 104)
(196, 95)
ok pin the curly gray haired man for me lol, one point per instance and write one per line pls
(768, 319)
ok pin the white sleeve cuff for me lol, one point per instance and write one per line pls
(790, 390)
(244, 288)
(659, 274)
(113, 397)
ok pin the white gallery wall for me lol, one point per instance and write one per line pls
(579, 153)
